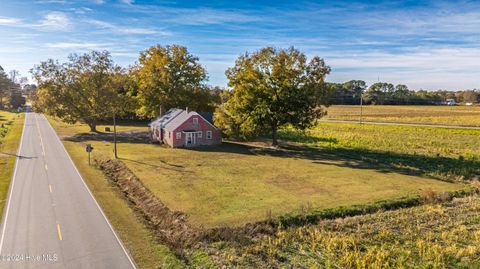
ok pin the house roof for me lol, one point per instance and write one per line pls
(173, 118)
(163, 120)
(178, 120)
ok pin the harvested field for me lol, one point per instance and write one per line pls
(445, 235)
(441, 115)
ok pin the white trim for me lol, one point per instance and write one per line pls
(93, 197)
(195, 121)
(200, 134)
(7, 206)
(178, 135)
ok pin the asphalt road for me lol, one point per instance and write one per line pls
(51, 219)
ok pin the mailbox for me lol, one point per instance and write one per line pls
(89, 148)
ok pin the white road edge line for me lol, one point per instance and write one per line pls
(95, 200)
(12, 184)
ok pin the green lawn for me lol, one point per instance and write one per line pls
(236, 183)
(443, 115)
(11, 125)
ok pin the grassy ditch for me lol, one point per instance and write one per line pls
(11, 125)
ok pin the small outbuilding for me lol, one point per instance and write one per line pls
(183, 128)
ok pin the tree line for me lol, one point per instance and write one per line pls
(381, 93)
(268, 89)
(11, 89)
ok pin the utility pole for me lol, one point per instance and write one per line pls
(114, 136)
(361, 107)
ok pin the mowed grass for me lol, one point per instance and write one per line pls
(11, 125)
(235, 183)
(441, 115)
(138, 239)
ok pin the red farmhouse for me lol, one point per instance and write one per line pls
(183, 128)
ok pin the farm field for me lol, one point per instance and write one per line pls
(441, 115)
(11, 125)
(443, 235)
(237, 183)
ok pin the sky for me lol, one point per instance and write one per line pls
(424, 44)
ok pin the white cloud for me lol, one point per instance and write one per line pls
(55, 20)
(428, 68)
(126, 30)
(81, 10)
(72, 45)
(127, 2)
(9, 21)
(197, 16)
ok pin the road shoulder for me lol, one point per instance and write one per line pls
(8, 148)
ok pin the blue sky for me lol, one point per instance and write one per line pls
(424, 44)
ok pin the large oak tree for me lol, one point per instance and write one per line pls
(170, 77)
(82, 89)
(274, 88)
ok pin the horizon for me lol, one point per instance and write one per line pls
(428, 45)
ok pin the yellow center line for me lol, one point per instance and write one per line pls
(59, 232)
(40, 135)
(50, 187)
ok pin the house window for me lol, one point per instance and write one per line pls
(199, 134)
(179, 135)
(169, 134)
(209, 134)
(195, 121)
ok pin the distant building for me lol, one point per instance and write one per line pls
(183, 128)
(451, 102)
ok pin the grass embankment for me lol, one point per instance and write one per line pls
(431, 236)
(138, 239)
(441, 115)
(11, 125)
(233, 184)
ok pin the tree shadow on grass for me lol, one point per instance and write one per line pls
(441, 168)
(124, 137)
(227, 147)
